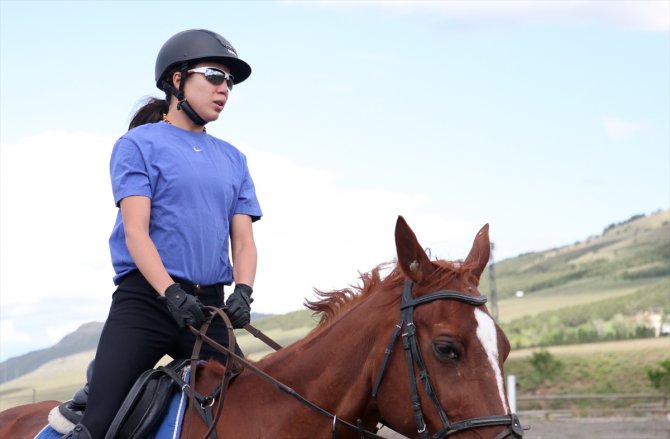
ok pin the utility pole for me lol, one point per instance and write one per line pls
(492, 284)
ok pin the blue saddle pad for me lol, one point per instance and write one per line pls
(48, 433)
(170, 426)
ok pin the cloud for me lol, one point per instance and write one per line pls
(640, 15)
(10, 333)
(55, 217)
(617, 129)
(13, 341)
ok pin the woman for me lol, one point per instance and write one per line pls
(184, 197)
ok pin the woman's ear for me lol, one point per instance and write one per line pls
(176, 79)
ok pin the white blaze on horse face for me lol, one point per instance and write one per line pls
(488, 336)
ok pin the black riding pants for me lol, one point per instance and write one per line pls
(138, 332)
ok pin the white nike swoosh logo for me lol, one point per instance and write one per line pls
(196, 149)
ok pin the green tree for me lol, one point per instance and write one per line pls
(546, 368)
(660, 376)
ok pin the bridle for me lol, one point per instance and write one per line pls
(413, 357)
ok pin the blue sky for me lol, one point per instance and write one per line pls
(546, 119)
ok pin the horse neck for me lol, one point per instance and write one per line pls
(334, 365)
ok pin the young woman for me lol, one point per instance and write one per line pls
(185, 199)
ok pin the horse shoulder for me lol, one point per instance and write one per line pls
(25, 420)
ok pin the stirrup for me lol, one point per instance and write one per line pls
(68, 414)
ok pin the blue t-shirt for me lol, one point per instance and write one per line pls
(196, 184)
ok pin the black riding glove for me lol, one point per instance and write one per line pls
(239, 306)
(186, 309)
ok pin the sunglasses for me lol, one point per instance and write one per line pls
(215, 76)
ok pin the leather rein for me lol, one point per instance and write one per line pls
(412, 354)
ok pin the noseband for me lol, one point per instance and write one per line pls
(413, 357)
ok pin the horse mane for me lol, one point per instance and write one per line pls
(213, 368)
(333, 304)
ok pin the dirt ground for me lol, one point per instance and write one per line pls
(605, 428)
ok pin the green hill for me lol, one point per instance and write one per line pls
(613, 286)
(633, 252)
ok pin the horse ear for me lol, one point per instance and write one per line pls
(413, 260)
(480, 252)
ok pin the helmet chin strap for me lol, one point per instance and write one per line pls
(182, 103)
(190, 112)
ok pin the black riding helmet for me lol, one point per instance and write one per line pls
(188, 48)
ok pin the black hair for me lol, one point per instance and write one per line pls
(151, 112)
(154, 108)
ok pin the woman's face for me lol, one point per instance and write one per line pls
(205, 98)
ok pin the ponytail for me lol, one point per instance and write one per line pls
(151, 112)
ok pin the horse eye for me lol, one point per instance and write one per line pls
(447, 350)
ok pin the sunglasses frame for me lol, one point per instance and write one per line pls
(227, 77)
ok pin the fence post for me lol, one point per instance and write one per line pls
(511, 392)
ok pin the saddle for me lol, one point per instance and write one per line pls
(142, 410)
(146, 404)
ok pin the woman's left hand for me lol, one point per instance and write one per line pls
(239, 306)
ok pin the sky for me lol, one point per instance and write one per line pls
(548, 120)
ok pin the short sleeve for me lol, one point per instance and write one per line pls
(128, 171)
(247, 203)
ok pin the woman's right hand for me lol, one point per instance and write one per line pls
(185, 308)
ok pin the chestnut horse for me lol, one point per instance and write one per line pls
(415, 349)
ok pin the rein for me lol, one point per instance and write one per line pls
(205, 404)
(412, 355)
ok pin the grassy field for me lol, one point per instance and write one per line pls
(659, 345)
(612, 367)
(58, 379)
(577, 293)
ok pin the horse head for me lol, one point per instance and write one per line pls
(442, 371)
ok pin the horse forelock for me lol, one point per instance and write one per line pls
(448, 271)
(333, 304)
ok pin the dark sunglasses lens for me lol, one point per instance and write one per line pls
(217, 77)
